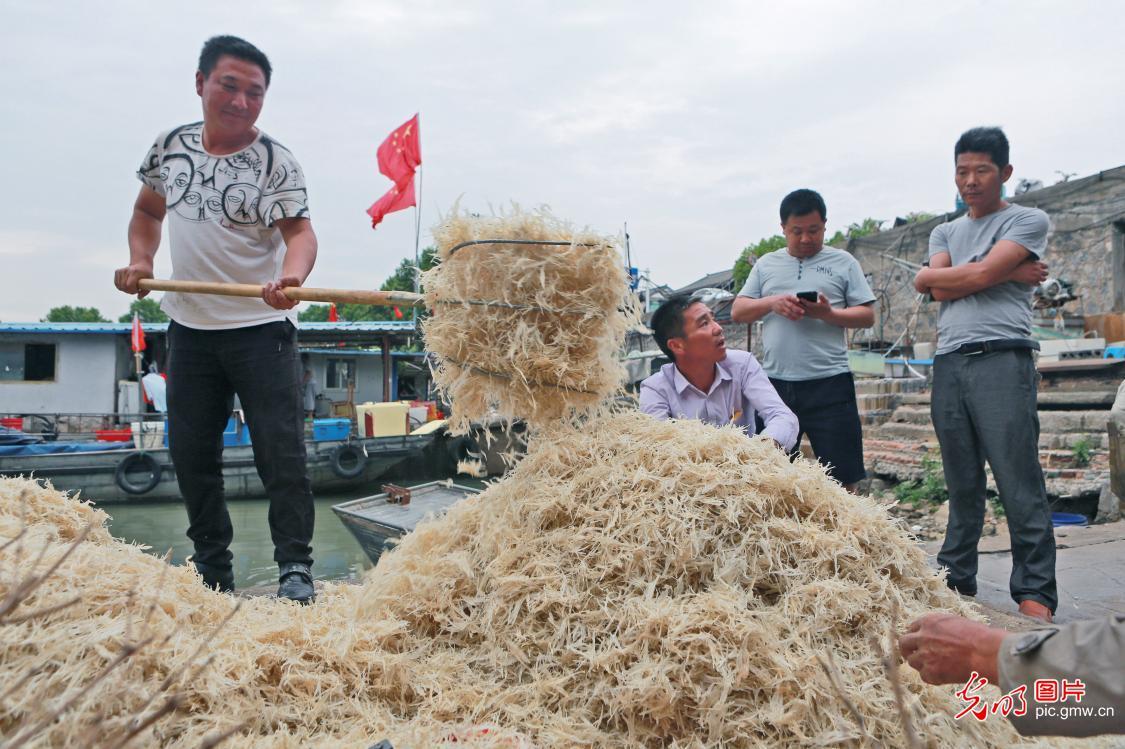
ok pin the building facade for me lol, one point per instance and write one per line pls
(88, 368)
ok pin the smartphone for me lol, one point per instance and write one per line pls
(807, 296)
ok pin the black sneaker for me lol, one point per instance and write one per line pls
(295, 582)
(217, 578)
(965, 588)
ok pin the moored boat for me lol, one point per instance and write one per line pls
(379, 520)
(113, 472)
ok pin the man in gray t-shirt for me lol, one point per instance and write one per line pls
(806, 295)
(983, 405)
(1002, 311)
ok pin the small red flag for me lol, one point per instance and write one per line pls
(399, 156)
(137, 336)
(398, 313)
(332, 316)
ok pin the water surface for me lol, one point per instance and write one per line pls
(162, 526)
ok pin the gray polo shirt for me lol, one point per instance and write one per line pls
(1000, 312)
(806, 349)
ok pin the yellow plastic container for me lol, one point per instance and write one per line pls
(382, 419)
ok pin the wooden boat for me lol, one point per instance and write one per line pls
(377, 521)
(116, 472)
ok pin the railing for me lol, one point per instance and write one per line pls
(75, 426)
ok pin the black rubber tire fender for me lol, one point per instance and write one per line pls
(132, 464)
(348, 461)
(459, 448)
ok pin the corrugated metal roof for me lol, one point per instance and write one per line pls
(123, 328)
(78, 327)
(719, 280)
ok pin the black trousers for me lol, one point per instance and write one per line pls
(984, 409)
(827, 412)
(206, 368)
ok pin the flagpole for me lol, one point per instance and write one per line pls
(417, 238)
(135, 343)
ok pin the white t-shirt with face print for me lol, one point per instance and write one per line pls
(221, 222)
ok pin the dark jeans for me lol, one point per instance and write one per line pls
(206, 368)
(984, 408)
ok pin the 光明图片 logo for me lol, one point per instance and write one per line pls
(1053, 698)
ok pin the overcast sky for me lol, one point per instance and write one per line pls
(690, 121)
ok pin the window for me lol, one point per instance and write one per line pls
(27, 362)
(340, 373)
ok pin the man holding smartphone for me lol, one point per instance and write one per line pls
(806, 295)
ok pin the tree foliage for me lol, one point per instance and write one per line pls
(863, 228)
(148, 309)
(742, 265)
(314, 313)
(74, 314)
(401, 280)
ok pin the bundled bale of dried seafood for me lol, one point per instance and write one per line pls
(530, 324)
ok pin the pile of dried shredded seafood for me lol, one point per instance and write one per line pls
(629, 583)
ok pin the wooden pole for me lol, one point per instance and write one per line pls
(387, 364)
(296, 293)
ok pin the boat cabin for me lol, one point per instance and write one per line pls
(89, 368)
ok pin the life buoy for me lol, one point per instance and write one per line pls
(459, 448)
(348, 461)
(137, 463)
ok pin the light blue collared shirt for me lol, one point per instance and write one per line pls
(741, 389)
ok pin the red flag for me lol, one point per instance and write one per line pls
(398, 313)
(401, 153)
(332, 316)
(399, 156)
(137, 337)
(398, 197)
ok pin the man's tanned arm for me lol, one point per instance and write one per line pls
(859, 316)
(750, 310)
(1007, 261)
(300, 256)
(947, 649)
(144, 239)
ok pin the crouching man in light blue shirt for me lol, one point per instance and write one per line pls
(707, 382)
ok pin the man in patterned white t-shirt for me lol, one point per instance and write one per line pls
(236, 207)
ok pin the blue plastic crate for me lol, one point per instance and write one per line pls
(236, 433)
(331, 429)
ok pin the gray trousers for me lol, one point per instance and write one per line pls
(984, 408)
